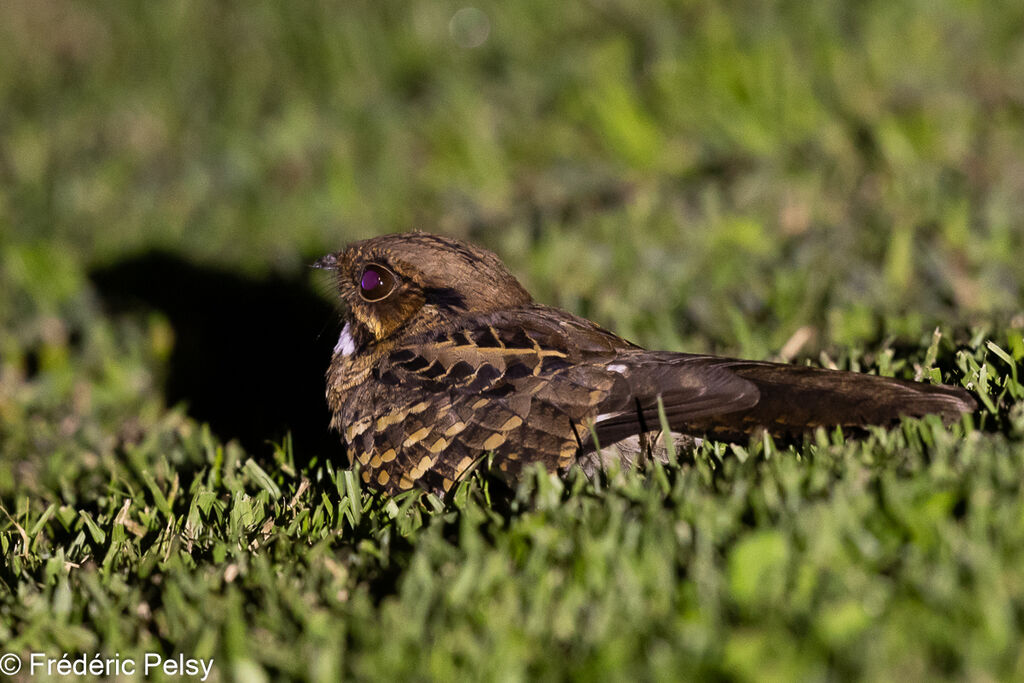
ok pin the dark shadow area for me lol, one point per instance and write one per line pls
(249, 354)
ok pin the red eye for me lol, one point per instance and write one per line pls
(376, 282)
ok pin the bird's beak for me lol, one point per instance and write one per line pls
(329, 262)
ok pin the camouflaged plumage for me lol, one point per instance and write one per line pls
(455, 361)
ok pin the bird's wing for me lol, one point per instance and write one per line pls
(528, 388)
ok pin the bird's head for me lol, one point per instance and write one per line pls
(408, 281)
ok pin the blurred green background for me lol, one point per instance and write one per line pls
(694, 174)
(800, 162)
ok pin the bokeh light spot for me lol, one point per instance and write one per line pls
(470, 27)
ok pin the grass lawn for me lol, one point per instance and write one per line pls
(830, 182)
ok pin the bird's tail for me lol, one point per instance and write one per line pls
(797, 399)
(731, 399)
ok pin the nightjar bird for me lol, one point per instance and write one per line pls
(445, 357)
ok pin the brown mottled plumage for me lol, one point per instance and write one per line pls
(445, 357)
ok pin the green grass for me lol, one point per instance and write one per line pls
(707, 176)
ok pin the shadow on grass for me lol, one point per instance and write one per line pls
(249, 354)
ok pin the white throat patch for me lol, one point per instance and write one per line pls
(346, 345)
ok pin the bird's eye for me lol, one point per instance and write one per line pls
(376, 282)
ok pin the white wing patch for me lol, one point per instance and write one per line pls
(346, 345)
(617, 367)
